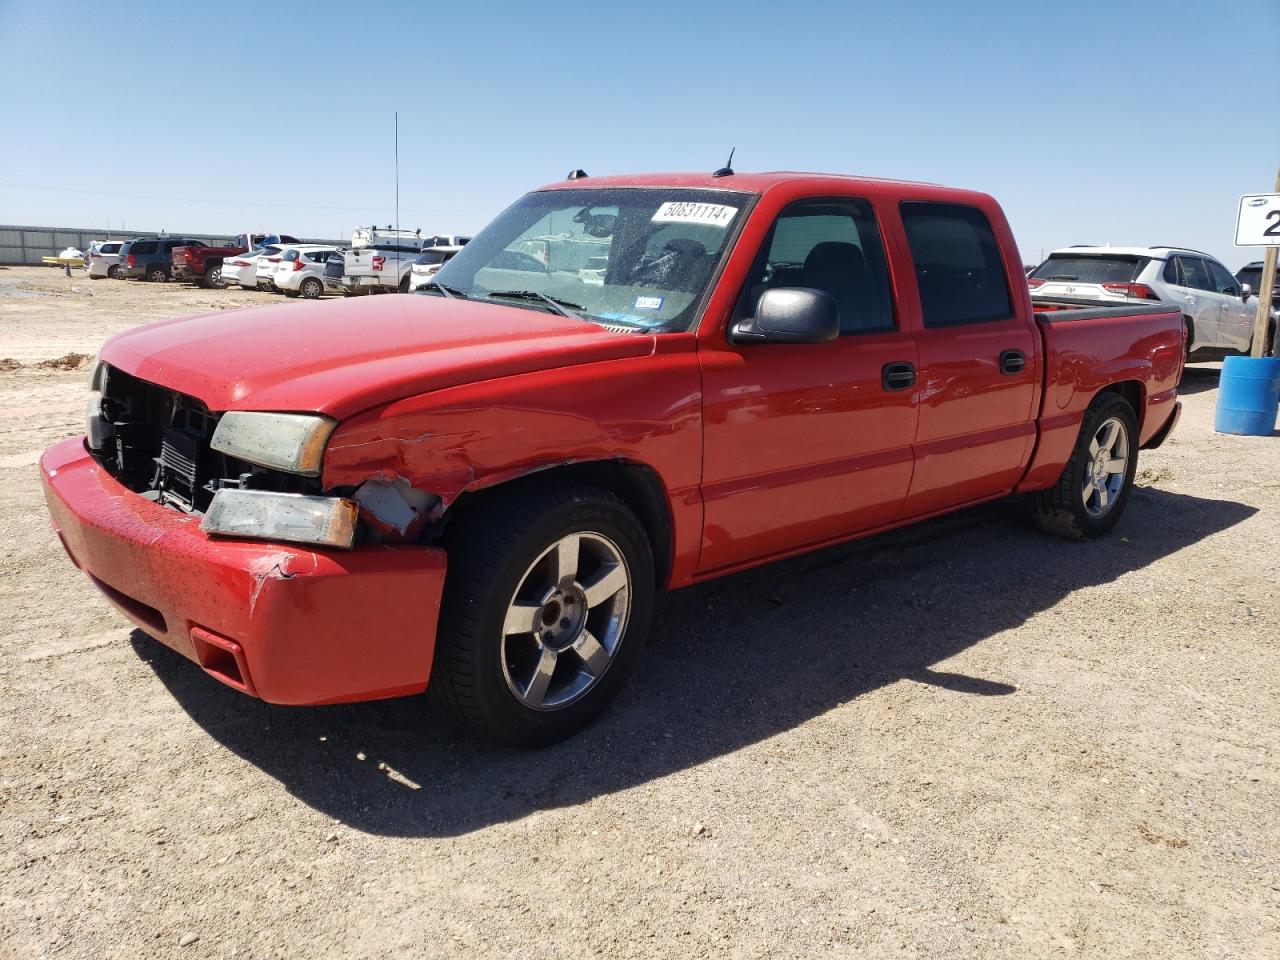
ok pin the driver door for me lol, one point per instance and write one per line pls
(806, 443)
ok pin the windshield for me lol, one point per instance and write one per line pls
(1251, 275)
(640, 257)
(432, 256)
(1090, 269)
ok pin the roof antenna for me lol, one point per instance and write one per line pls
(727, 169)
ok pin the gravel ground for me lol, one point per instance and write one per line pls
(961, 740)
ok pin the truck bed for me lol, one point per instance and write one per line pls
(1137, 351)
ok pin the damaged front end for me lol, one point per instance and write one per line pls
(248, 475)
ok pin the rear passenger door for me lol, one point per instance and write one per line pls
(1189, 277)
(979, 361)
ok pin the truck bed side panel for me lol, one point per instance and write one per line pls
(1087, 351)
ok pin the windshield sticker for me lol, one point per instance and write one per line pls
(648, 303)
(712, 214)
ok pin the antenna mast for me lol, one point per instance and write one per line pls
(397, 186)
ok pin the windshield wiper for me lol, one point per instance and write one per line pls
(449, 292)
(562, 307)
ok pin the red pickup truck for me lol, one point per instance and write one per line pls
(478, 491)
(203, 265)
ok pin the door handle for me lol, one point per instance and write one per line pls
(900, 375)
(1012, 362)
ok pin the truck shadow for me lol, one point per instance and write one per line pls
(729, 663)
(1199, 380)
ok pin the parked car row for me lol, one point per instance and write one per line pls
(378, 261)
(1218, 309)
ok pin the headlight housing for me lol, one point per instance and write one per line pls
(97, 428)
(291, 517)
(292, 442)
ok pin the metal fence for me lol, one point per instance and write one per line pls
(26, 245)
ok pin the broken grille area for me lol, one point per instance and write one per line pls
(155, 441)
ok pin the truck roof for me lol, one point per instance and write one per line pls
(750, 182)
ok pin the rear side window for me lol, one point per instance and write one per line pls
(318, 256)
(110, 248)
(1188, 272)
(290, 256)
(958, 267)
(144, 246)
(1091, 269)
(831, 245)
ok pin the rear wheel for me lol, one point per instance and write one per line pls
(158, 275)
(113, 271)
(1091, 494)
(311, 288)
(547, 603)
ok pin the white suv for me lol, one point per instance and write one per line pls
(1219, 321)
(301, 270)
(104, 259)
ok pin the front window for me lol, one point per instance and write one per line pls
(634, 257)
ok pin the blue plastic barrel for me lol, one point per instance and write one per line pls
(1248, 396)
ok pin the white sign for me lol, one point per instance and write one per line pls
(715, 214)
(1258, 224)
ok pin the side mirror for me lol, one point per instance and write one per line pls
(790, 315)
(1246, 292)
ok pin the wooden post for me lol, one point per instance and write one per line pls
(1266, 285)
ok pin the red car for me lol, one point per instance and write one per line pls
(202, 265)
(621, 385)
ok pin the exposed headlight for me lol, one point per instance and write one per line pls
(292, 442)
(96, 428)
(293, 517)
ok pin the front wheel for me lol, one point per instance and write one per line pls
(213, 276)
(547, 604)
(1091, 494)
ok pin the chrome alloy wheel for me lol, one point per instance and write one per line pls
(566, 621)
(1107, 468)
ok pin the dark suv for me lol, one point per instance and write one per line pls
(152, 259)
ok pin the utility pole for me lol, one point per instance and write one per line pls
(1262, 320)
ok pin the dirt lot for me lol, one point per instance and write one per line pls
(964, 740)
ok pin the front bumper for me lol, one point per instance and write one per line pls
(276, 621)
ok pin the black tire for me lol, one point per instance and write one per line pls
(404, 285)
(113, 271)
(290, 293)
(491, 552)
(213, 276)
(311, 289)
(157, 275)
(1062, 509)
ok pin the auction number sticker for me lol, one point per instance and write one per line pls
(712, 214)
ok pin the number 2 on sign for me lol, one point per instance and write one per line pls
(1274, 229)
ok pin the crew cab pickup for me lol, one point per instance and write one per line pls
(202, 265)
(478, 489)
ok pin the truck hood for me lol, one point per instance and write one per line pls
(341, 357)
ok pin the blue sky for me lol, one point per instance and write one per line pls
(1091, 122)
